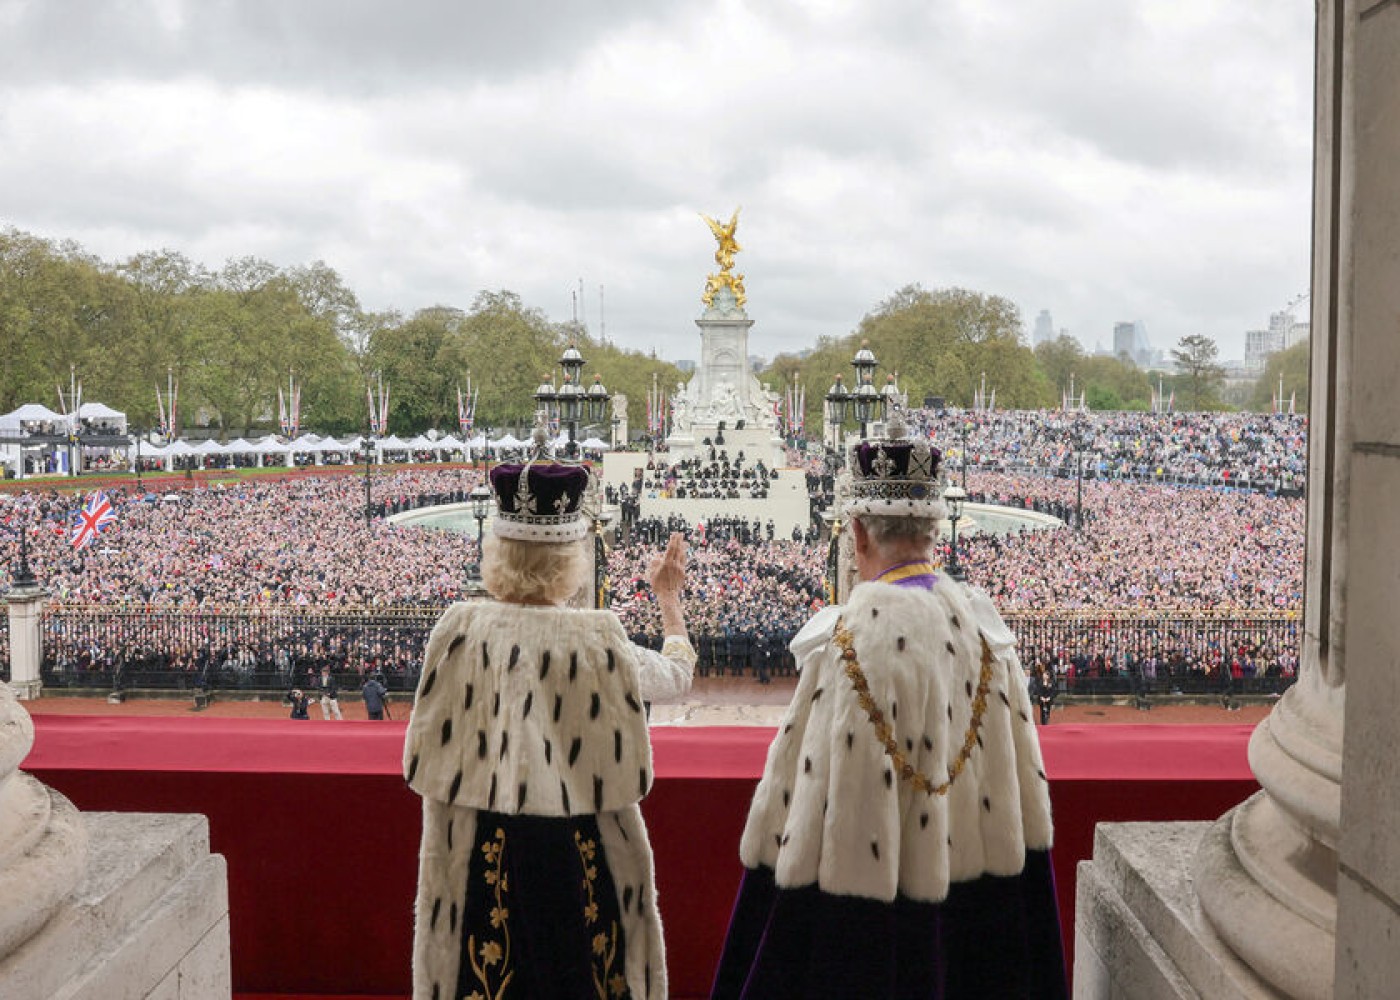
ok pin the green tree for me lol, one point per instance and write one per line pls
(508, 348)
(1059, 359)
(1293, 365)
(1116, 381)
(161, 338)
(1200, 376)
(939, 342)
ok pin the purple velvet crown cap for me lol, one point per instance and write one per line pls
(540, 501)
(896, 460)
(555, 489)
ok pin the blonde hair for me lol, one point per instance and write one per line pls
(521, 572)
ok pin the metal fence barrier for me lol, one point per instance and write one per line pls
(1093, 652)
(236, 649)
(1140, 653)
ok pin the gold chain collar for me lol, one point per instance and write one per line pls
(907, 771)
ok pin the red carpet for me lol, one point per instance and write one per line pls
(321, 833)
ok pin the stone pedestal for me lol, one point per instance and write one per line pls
(25, 606)
(1139, 931)
(149, 919)
(724, 389)
(106, 906)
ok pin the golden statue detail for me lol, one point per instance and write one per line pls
(724, 257)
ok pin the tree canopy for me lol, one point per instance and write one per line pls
(1200, 376)
(232, 336)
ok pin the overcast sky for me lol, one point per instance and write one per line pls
(1103, 159)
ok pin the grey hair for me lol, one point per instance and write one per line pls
(898, 529)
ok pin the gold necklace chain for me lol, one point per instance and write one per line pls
(907, 771)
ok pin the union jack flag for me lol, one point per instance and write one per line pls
(96, 517)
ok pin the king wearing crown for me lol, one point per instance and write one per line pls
(898, 843)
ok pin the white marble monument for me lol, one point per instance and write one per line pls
(724, 398)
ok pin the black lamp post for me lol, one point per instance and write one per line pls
(480, 498)
(864, 403)
(890, 399)
(369, 448)
(24, 575)
(954, 497)
(571, 403)
(1078, 477)
(838, 401)
(867, 403)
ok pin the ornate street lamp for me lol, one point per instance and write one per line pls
(598, 398)
(867, 403)
(571, 402)
(480, 498)
(890, 396)
(24, 575)
(838, 402)
(954, 497)
(966, 426)
(547, 397)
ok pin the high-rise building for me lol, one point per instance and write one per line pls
(1297, 333)
(1259, 344)
(1130, 341)
(1044, 329)
(1123, 339)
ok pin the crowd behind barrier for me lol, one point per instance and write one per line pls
(1091, 653)
(1140, 547)
(303, 541)
(218, 556)
(232, 649)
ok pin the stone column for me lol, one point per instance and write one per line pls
(1368, 873)
(1299, 887)
(25, 606)
(1266, 872)
(1303, 880)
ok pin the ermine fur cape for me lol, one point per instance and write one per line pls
(831, 809)
(530, 711)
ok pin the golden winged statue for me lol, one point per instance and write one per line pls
(724, 235)
(727, 247)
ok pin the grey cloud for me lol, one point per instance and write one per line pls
(360, 45)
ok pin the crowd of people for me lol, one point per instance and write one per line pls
(713, 476)
(302, 542)
(1141, 547)
(747, 595)
(1257, 450)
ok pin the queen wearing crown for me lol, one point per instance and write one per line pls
(529, 746)
(898, 843)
